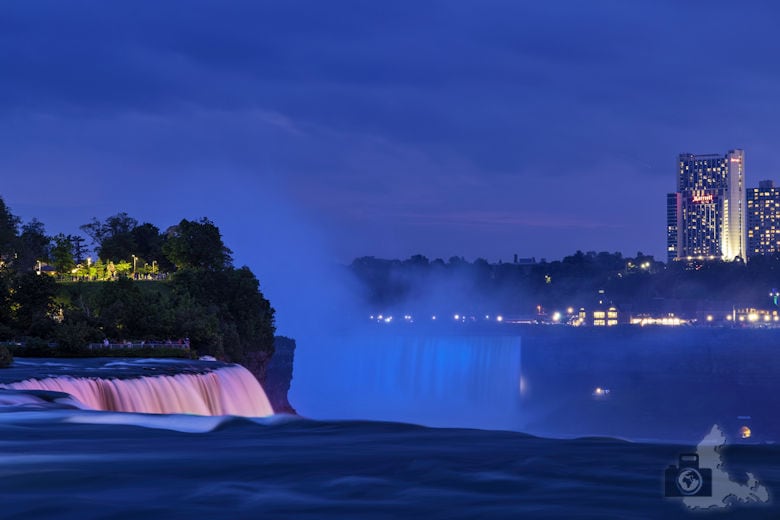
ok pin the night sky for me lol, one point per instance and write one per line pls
(320, 131)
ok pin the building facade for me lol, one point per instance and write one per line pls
(763, 209)
(706, 216)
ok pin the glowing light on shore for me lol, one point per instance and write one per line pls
(499, 319)
(667, 320)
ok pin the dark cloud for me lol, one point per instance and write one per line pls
(445, 128)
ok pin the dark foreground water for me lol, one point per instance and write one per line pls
(666, 392)
(76, 464)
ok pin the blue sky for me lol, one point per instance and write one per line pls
(333, 130)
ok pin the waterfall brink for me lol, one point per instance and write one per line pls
(230, 390)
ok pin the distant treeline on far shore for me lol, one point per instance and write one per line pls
(636, 284)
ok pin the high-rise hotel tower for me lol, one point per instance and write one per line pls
(763, 210)
(706, 219)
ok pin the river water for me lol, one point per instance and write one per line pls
(61, 459)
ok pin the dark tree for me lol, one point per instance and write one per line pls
(34, 246)
(79, 250)
(113, 239)
(197, 245)
(9, 230)
(245, 319)
(62, 254)
(32, 304)
(149, 242)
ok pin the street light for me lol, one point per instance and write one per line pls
(135, 258)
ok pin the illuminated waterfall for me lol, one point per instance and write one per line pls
(430, 380)
(230, 390)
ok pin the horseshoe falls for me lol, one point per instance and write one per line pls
(439, 380)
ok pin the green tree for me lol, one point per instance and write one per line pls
(197, 245)
(123, 268)
(244, 317)
(100, 272)
(62, 255)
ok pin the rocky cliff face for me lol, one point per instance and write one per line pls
(275, 372)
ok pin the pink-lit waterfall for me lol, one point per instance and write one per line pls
(230, 390)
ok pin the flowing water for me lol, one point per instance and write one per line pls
(189, 455)
(227, 390)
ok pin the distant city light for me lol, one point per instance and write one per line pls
(709, 317)
(745, 432)
(570, 310)
(556, 316)
(388, 319)
(499, 318)
(457, 316)
(670, 320)
(433, 318)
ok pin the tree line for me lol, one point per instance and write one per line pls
(636, 283)
(205, 298)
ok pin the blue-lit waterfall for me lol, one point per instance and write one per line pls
(430, 380)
